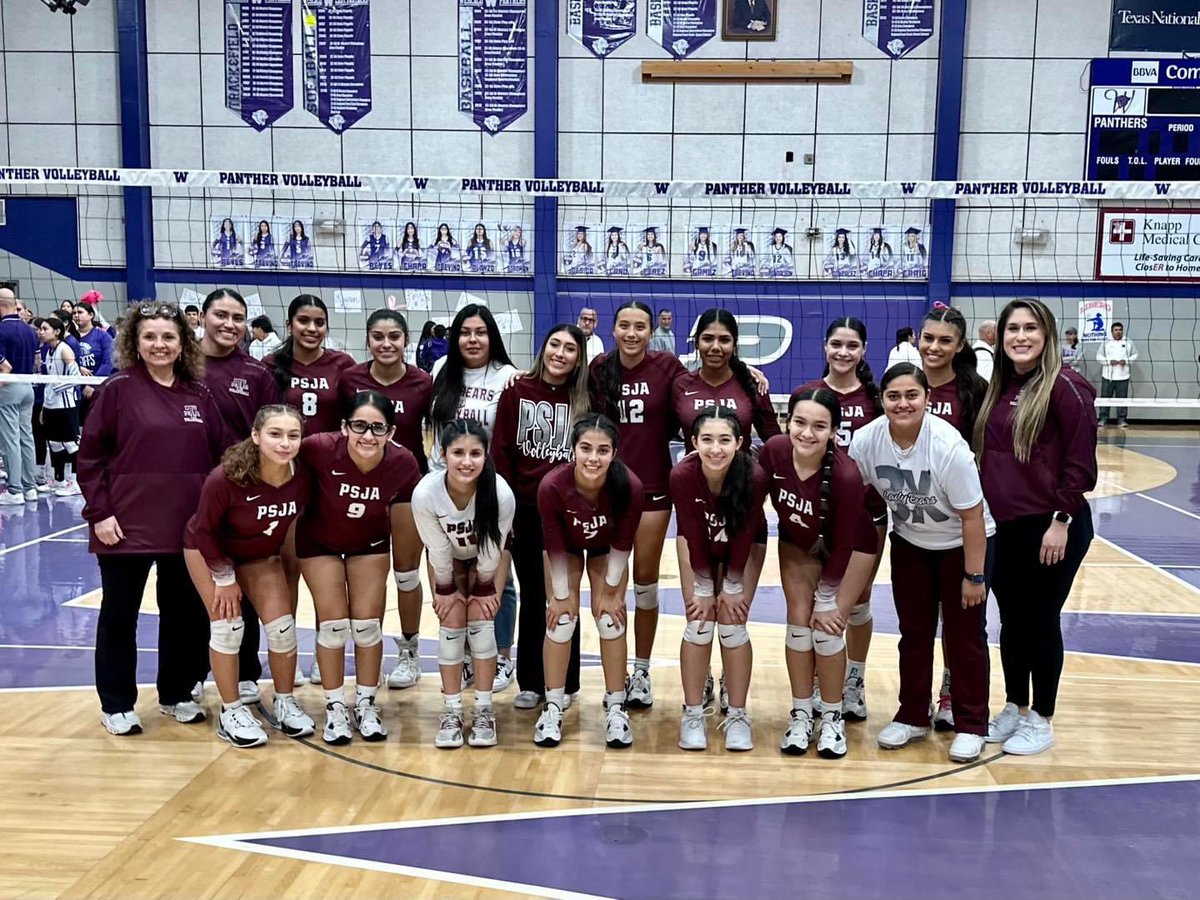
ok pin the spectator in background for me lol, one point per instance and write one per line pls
(425, 338)
(905, 349)
(192, 314)
(663, 337)
(587, 324)
(1072, 353)
(985, 349)
(1115, 355)
(18, 345)
(265, 339)
(433, 348)
(24, 312)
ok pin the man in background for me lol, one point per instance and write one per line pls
(587, 324)
(192, 314)
(985, 349)
(265, 339)
(1115, 355)
(18, 345)
(663, 337)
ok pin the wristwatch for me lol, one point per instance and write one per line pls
(1063, 517)
(975, 578)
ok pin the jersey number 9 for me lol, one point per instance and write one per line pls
(356, 510)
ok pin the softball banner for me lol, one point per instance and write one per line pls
(337, 61)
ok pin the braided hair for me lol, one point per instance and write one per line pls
(487, 504)
(863, 370)
(828, 400)
(608, 372)
(616, 483)
(737, 490)
(970, 386)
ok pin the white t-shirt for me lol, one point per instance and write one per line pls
(265, 347)
(481, 394)
(924, 486)
(448, 532)
(1116, 351)
(594, 346)
(985, 359)
(906, 352)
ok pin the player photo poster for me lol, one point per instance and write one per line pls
(375, 245)
(411, 240)
(914, 258)
(601, 25)
(616, 258)
(479, 250)
(749, 20)
(337, 61)
(741, 254)
(258, 60)
(878, 254)
(445, 248)
(897, 27)
(492, 58)
(577, 256)
(650, 257)
(776, 258)
(516, 256)
(841, 254)
(681, 27)
(227, 242)
(296, 250)
(703, 253)
(261, 245)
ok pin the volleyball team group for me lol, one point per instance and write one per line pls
(236, 478)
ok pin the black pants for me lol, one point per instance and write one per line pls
(1119, 390)
(182, 630)
(39, 436)
(531, 619)
(1031, 597)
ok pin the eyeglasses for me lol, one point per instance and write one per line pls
(358, 426)
(170, 310)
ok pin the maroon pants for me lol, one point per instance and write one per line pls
(921, 580)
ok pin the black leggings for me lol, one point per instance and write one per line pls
(1031, 597)
(39, 436)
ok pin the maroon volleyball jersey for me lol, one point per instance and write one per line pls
(857, 408)
(410, 398)
(531, 435)
(572, 523)
(699, 519)
(313, 389)
(945, 404)
(690, 394)
(350, 510)
(241, 386)
(798, 503)
(236, 524)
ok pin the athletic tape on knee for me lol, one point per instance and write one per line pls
(281, 635)
(609, 629)
(452, 646)
(334, 633)
(860, 613)
(367, 632)
(799, 638)
(733, 635)
(408, 581)
(826, 644)
(645, 596)
(563, 631)
(699, 632)
(481, 636)
(225, 635)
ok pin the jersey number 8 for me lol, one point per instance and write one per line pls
(308, 403)
(356, 510)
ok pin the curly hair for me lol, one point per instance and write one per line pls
(190, 364)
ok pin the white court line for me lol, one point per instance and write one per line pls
(44, 538)
(64, 647)
(1131, 566)
(1171, 575)
(54, 540)
(1168, 505)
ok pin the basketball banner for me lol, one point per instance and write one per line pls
(897, 27)
(258, 60)
(492, 60)
(337, 61)
(601, 25)
(681, 27)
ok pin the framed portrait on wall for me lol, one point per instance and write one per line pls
(749, 20)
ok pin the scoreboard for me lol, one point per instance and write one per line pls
(1144, 120)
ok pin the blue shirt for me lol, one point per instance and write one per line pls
(95, 352)
(18, 344)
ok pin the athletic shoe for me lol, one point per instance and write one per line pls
(527, 700)
(31, 495)
(966, 748)
(450, 730)
(69, 488)
(548, 731)
(239, 726)
(1005, 724)
(736, 726)
(708, 689)
(617, 733)
(1034, 735)
(122, 723)
(248, 692)
(483, 728)
(832, 742)
(816, 696)
(337, 724)
(943, 719)
(505, 670)
(854, 700)
(468, 673)
(799, 733)
(1122, 424)
(724, 697)
(299, 680)
(198, 691)
(314, 674)
(48, 487)
(638, 692)
(367, 719)
(9, 498)
(291, 719)
(693, 733)
(407, 672)
(897, 734)
(187, 713)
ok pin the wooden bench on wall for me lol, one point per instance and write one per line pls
(808, 71)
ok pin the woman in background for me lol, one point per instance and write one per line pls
(263, 247)
(227, 249)
(60, 409)
(298, 251)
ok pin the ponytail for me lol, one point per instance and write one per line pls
(826, 398)
(737, 490)
(242, 463)
(487, 503)
(863, 372)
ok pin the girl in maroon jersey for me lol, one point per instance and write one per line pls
(342, 543)
(232, 548)
(306, 372)
(826, 554)
(718, 496)
(590, 506)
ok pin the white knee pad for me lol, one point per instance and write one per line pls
(334, 633)
(799, 638)
(699, 632)
(281, 635)
(860, 613)
(645, 596)
(367, 632)
(225, 635)
(733, 635)
(562, 632)
(481, 636)
(826, 644)
(408, 581)
(452, 646)
(609, 629)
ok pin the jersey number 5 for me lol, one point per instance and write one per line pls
(843, 435)
(308, 403)
(356, 510)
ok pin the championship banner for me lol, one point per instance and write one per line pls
(258, 60)
(897, 27)
(601, 25)
(492, 59)
(681, 27)
(1148, 245)
(337, 61)
(1159, 26)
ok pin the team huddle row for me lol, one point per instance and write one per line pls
(565, 469)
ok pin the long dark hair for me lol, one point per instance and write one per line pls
(577, 382)
(971, 388)
(448, 386)
(374, 399)
(487, 504)
(616, 482)
(608, 373)
(258, 235)
(903, 334)
(740, 370)
(863, 370)
(221, 294)
(832, 405)
(737, 490)
(285, 354)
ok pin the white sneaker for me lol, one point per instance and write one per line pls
(816, 697)
(450, 730)
(187, 713)
(407, 672)
(638, 692)
(693, 732)
(736, 726)
(483, 728)
(198, 691)
(943, 719)
(69, 488)
(468, 673)
(337, 724)
(291, 719)
(122, 723)
(239, 726)
(299, 680)
(47, 487)
(9, 498)
(854, 700)
(1004, 726)
(1034, 735)
(898, 734)
(505, 670)
(527, 700)
(367, 719)
(548, 731)
(832, 742)
(799, 733)
(31, 495)
(314, 674)
(966, 748)
(248, 692)
(617, 733)
(709, 684)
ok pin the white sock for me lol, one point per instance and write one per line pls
(483, 698)
(557, 696)
(335, 696)
(945, 681)
(641, 665)
(736, 709)
(614, 698)
(362, 690)
(855, 669)
(279, 696)
(236, 704)
(453, 701)
(827, 707)
(804, 703)
(697, 710)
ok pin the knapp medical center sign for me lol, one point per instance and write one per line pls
(1148, 245)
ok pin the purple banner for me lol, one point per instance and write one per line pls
(492, 62)
(258, 60)
(601, 25)
(337, 61)
(897, 27)
(681, 27)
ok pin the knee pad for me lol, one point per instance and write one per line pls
(367, 632)
(452, 646)
(609, 629)
(799, 638)
(699, 633)
(281, 635)
(334, 633)
(645, 596)
(225, 636)
(481, 636)
(733, 635)
(563, 631)
(408, 581)
(860, 613)
(826, 644)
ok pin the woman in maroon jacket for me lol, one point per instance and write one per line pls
(153, 434)
(1036, 445)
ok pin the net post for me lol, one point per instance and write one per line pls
(946, 143)
(135, 146)
(545, 164)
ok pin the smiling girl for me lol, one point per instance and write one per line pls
(307, 373)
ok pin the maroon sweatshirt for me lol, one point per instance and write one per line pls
(241, 386)
(410, 396)
(313, 389)
(531, 435)
(690, 394)
(145, 452)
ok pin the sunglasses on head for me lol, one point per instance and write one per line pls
(358, 426)
(169, 310)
